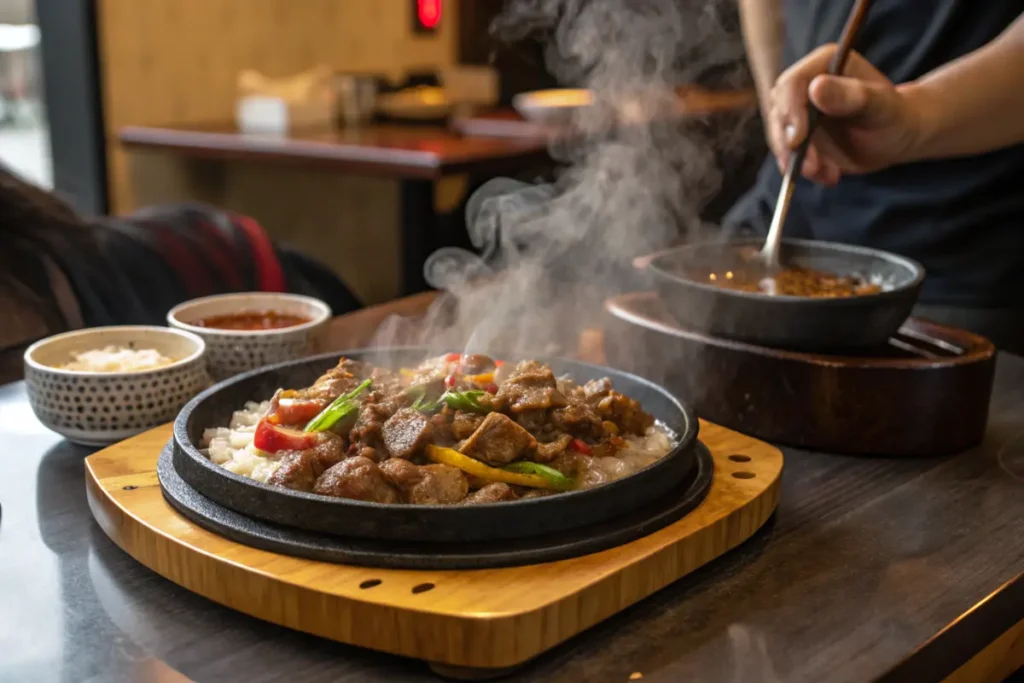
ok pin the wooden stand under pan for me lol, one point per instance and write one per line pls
(466, 623)
(926, 393)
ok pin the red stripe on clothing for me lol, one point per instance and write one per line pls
(221, 253)
(268, 269)
(197, 280)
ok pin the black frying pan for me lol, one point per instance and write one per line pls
(840, 325)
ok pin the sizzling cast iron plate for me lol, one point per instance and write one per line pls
(422, 523)
(406, 555)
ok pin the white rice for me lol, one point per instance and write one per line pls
(640, 452)
(117, 359)
(231, 447)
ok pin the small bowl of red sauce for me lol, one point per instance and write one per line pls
(248, 331)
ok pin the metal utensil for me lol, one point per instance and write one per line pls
(770, 251)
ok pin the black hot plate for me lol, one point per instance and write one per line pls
(422, 523)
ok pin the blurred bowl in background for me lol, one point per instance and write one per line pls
(555, 107)
(421, 102)
(232, 351)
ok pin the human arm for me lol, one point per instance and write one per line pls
(761, 23)
(972, 105)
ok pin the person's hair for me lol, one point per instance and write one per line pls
(34, 224)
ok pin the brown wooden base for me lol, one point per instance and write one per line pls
(926, 393)
(467, 624)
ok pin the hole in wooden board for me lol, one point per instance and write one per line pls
(740, 458)
(743, 475)
(369, 583)
(422, 588)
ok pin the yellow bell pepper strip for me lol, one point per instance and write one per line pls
(449, 456)
(339, 408)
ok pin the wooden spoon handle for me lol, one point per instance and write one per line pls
(854, 22)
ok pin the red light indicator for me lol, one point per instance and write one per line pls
(428, 12)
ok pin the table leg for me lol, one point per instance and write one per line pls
(419, 232)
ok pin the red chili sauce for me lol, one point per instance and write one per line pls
(251, 321)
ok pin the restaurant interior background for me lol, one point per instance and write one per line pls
(873, 564)
(114, 68)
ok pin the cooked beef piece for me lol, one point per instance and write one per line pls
(401, 473)
(386, 387)
(498, 440)
(341, 379)
(596, 389)
(299, 469)
(533, 420)
(432, 370)
(530, 387)
(475, 482)
(295, 472)
(567, 386)
(570, 463)
(368, 452)
(426, 485)
(475, 364)
(492, 493)
(443, 435)
(406, 433)
(357, 478)
(625, 412)
(327, 453)
(372, 415)
(578, 419)
(536, 493)
(546, 452)
(464, 424)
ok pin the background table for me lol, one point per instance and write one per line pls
(872, 569)
(416, 156)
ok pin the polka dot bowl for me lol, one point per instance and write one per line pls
(101, 408)
(232, 352)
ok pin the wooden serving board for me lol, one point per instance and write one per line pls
(465, 623)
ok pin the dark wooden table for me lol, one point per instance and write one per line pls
(415, 155)
(872, 569)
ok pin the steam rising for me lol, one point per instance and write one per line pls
(549, 255)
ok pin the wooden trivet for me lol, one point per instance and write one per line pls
(463, 622)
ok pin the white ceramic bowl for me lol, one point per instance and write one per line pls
(552, 106)
(100, 408)
(230, 352)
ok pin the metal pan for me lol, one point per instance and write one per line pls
(423, 523)
(824, 325)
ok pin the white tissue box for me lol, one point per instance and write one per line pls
(265, 114)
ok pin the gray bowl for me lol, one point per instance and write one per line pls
(838, 325)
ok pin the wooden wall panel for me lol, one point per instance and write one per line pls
(175, 61)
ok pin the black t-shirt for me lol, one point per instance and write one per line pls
(962, 218)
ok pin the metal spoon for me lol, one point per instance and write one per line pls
(770, 251)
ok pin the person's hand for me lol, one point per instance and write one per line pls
(867, 123)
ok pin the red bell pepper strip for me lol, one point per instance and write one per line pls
(273, 439)
(581, 446)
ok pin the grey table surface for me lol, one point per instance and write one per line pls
(891, 569)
